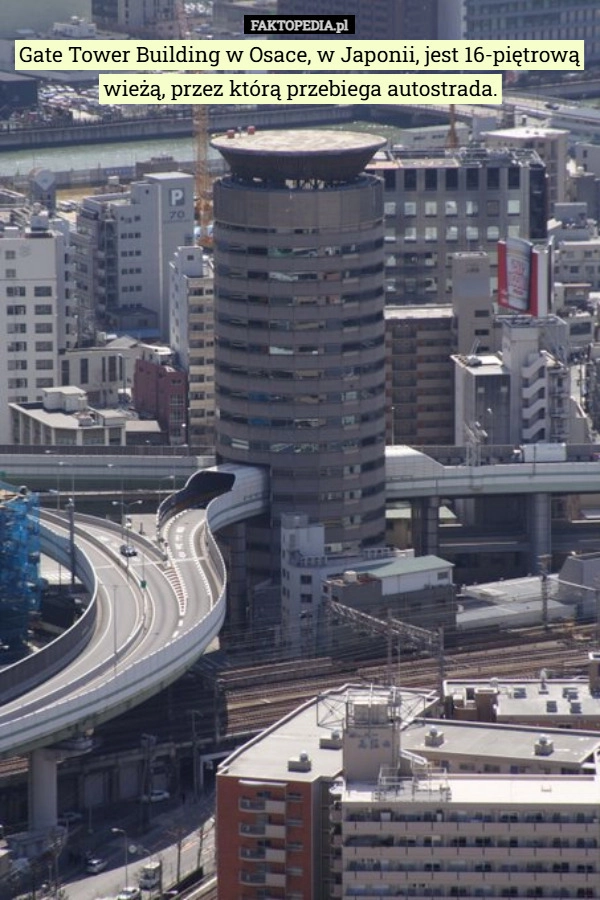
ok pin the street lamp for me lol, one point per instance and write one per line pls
(193, 713)
(170, 478)
(490, 415)
(123, 367)
(125, 506)
(126, 846)
(60, 465)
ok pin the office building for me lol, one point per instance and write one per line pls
(191, 305)
(420, 343)
(103, 371)
(472, 303)
(160, 391)
(33, 316)
(64, 418)
(439, 202)
(528, 20)
(551, 145)
(299, 329)
(122, 248)
(520, 395)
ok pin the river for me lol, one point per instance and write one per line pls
(90, 156)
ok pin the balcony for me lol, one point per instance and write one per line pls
(252, 830)
(253, 853)
(252, 805)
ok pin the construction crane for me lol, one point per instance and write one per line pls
(452, 136)
(200, 130)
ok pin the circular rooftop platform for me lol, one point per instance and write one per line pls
(298, 155)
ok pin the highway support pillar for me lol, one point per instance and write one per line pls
(539, 515)
(42, 788)
(424, 523)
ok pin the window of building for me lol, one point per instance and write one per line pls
(514, 207)
(431, 179)
(514, 177)
(431, 233)
(84, 371)
(451, 208)
(410, 179)
(43, 309)
(493, 178)
(472, 179)
(451, 179)
(44, 364)
(431, 208)
(42, 290)
(410, 208)
(472, 208)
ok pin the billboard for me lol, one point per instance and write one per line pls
(524, 276)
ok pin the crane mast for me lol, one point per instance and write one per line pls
(200, 130)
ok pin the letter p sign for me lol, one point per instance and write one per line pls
(176, 197)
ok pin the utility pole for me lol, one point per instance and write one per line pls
(544, 562)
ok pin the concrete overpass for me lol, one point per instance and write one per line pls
(145, 624)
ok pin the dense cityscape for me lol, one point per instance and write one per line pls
(299, 471)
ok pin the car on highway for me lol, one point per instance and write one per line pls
(129, 893)
(128, 550)
(155, 796)
(95, 864)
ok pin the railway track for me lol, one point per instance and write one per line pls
(562, 653)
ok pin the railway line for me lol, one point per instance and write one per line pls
(274, 691)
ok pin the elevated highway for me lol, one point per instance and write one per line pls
(149, 620)
(146, 623)
(411, 474)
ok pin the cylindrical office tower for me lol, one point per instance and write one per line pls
(299, 329)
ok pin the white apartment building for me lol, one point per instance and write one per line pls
(312, 571)
(64, 418)
(33, 286)
(520, 395)
(104, 371)
(191, 305)
(578, 262)
(122, 248)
